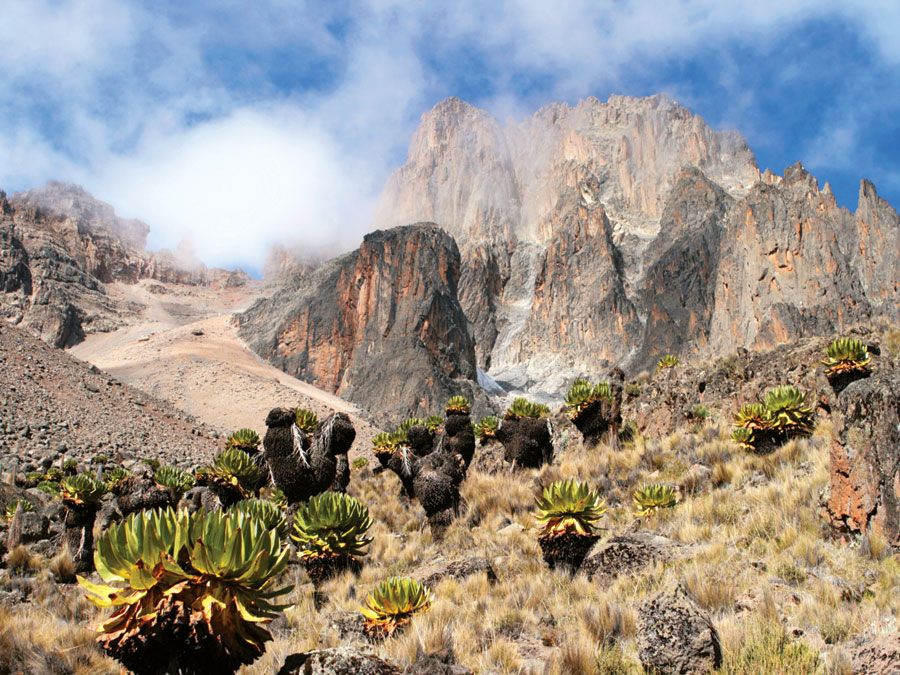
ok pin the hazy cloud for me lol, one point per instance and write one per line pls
(242, 127)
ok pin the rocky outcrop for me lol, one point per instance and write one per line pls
(614, 232)
(789, 266)
(864, 488)
(59, 247)
(381, 326)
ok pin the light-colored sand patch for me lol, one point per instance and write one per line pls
(213, 376)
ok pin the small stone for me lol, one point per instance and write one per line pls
(512, 528)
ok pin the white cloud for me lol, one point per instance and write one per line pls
(239, 184)
(142, 107)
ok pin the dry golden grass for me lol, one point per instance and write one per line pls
(757, 558)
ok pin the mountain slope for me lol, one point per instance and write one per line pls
(694, 252)
(55, 406)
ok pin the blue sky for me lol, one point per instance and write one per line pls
(238, 125)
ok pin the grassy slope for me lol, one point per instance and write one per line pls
(784, 597)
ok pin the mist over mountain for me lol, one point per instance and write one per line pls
(610, 233)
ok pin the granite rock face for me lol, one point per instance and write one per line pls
(59, 247)
(609, 233)
(381, 326)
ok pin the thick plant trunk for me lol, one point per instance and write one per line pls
(566, 551)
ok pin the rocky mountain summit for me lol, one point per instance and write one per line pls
(614, 232)
(59, 247)
(381, 326)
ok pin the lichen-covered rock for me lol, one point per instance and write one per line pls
(139, 492)
(626, 554)
(433, 572)
(337, 661)
(864, 487)
(675, 636)
(877, 656)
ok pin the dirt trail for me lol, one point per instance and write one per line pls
(186, 351)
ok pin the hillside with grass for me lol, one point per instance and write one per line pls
(713, 533)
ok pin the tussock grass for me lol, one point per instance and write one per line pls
(754, 553)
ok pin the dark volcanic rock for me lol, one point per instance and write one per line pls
(381, 326)
(625, 554)
(676, 636)
(864, 488)
(435, 571)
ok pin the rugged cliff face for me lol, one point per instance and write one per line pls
(59, 247)
(614, 232)
(381, 326)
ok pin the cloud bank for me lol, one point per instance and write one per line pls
(238, 128)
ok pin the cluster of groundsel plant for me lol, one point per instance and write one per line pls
(232, 471)
(458, 405)
(268, 512)
(18, 504)
(522, 408)
(175, 480)
(582, 394)
(847, 356)
(486, 428)
(392, 604)
(330, 532)
(783, 413)
(243, 439)
(48, 481)
(431, 423)
(667, 361)
(392, 441)
(81, 490)
(306, 420)
(569, 513)
(649, 499)
(114, 476)
(187, 590)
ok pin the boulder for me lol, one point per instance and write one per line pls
(439, 569)
(625, 554)
(337, 661)
(676, 636)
